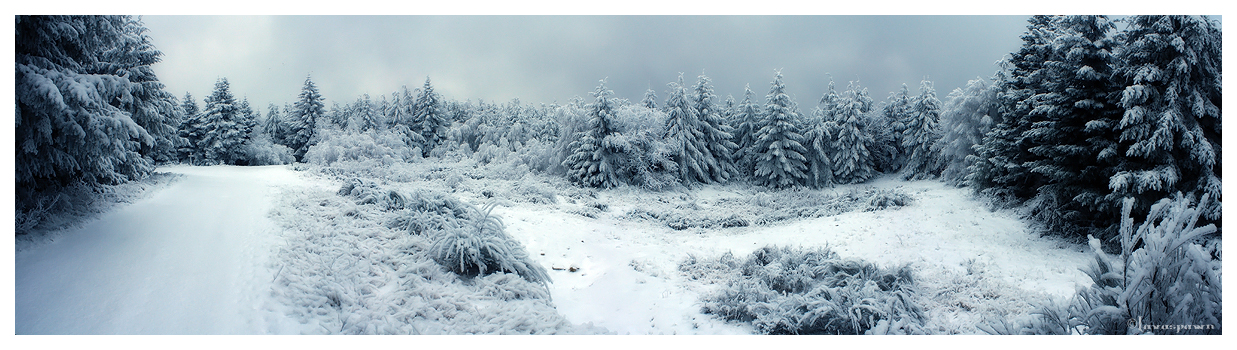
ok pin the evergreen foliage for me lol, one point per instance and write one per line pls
(1170, 130)
(715, 132)
(650, 99)
(852, 161)
(75, 104)
(897, 112)
(777, 149)
(964, 121)
(429, 118)
(921, 134)
(747, 116)
(304, 119)
(591, 162)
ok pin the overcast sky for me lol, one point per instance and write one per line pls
(553, 58)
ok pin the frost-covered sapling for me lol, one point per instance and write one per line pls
(1164, 282)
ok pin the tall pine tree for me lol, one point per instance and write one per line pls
(592, 162)
(778, 148)
(1170, 130)
(303, 121)
(922, 132)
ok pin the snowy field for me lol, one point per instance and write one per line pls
(259, 250)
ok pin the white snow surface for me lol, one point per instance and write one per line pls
(190, 259)
(198, 258)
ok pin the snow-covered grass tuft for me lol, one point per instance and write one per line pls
(809, 291)
(481, 247)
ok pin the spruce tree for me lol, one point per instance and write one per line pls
(1170, 129)
(190, 130)
(851, 161)
(897, 112)
(684, 137)
(748, 117)
(715, 132)
(650, 99)
(778, 148)
(592, 162)
(964, 121)
(1077, 118)
(303, 121)
(73, 106)
(429, 117)
(921, 134)
(1001, 167)
(224, 127)
(819, 143)
(149, 105)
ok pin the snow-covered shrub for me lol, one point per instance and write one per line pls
(884, 199)
(482, 247)
(344, 146)
(369, 192)
(1164, 282)
(261, 151)
(810, 291)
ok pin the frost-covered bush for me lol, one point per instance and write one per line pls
(481, 247)
(809, 291)
(338, 146)
(261, 151)
(884, 199)
(1166, 280)
(369, 192)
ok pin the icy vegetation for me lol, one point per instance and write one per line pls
(436, 216)
(1166, 280)
(369, 260)
(810, 291)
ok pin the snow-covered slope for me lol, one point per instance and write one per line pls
(190, 259)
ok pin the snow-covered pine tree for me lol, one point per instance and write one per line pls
(364, 117)
(778, 148)
(591, 162)
(650, 99)
(922, 132)
(151, 107)
(190, 130)
(747, 116)
(70, 124)
(1077, 118)
(683, 133)
(274, 125)
(1170, 130)
(303, 121)
(851, 160)
(429, 117)
(897, 112)
(1000, 168)
(882, 142)
(818, 137)
(223, 127)
(715, 132)
(964, 121)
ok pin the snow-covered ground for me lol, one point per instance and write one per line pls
(202, 257)
(190, 259)
(973, 264)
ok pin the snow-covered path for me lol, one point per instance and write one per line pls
(190, 259)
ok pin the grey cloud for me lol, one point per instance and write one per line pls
(552, 58)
